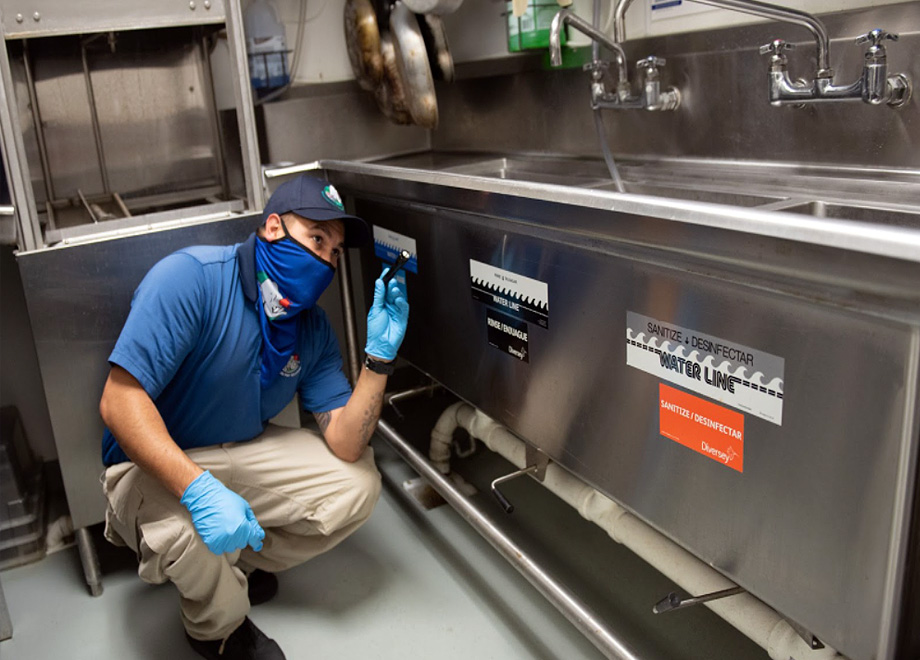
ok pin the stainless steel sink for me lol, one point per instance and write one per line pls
(593, 174)
(557, 171)
(693, 194)
(808, 190)
(871, 214)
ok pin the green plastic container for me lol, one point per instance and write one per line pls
(531, 30)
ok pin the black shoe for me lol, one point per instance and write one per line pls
(245, 643)
(262, 586)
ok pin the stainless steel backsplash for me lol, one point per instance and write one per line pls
(724, 112)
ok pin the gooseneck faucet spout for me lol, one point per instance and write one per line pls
(785, 15)
(651, 96)
(755, 8)
(568, 17)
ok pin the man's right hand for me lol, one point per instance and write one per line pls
(224, 520)
(387, 318)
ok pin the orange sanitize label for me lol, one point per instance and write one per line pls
(702, 426)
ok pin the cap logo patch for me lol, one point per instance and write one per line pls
(331, 195)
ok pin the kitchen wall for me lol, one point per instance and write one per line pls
(477, 30)
(514, 103)
(724, 111)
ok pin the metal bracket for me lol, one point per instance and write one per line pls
(536, 458)
(536, 465)
(813, 642)
(421, 491)
(674, 602)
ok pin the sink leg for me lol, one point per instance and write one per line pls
(90, 561)
(6, 624)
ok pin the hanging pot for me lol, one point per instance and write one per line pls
(362, 38)
(439, 57)
(390, 93)
(414, 69)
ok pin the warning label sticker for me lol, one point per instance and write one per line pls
(704, 427)
(388, 244)
(521, 297)
(508, 334)
(736, 375)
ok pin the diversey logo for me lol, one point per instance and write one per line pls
(724, 456)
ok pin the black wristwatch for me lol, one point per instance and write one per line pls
(379, 367)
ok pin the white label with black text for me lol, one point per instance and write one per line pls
(738, 376)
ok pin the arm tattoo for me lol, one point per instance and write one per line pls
(323, 419)
(371, 415)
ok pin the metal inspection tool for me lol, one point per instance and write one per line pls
(400, 262)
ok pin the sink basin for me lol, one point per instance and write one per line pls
(558, 171)
(594, 175)
(875, 215)
(692, 194)
(727, 184)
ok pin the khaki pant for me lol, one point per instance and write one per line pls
(306, 499)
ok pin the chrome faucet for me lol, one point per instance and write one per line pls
(875, 86)
(650, 98)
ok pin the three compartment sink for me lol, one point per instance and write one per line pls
(817, 191)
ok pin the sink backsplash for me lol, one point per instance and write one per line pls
(724, 112)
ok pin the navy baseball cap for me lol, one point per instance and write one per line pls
(316, 199)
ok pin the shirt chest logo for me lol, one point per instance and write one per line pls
(292, 368)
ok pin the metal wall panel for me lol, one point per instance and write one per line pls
(78, 299)
(333, 121)
(816, 516)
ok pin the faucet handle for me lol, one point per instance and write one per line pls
(651, 62)
(777, 47)
(876, 37)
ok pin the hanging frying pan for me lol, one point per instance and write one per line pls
(362, 37)
(412, 62)
(439, 57)
(390, 93)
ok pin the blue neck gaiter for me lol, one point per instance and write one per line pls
(291, 279)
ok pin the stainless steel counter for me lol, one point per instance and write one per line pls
(878, 208)
(805, 284)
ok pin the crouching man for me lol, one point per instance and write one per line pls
(218, 341)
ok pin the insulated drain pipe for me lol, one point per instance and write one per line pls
(756, 620)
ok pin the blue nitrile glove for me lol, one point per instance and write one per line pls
(386, 322)
(223, 519)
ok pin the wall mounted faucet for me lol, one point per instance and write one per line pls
(651, 96)
(875, 86)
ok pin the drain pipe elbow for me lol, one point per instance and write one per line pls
(442, 435)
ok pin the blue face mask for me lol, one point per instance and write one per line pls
(291, 279)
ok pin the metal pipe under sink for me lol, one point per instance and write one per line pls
(606, 640)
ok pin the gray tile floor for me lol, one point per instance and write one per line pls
(409, 584)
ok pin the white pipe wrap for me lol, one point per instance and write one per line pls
(753, 618)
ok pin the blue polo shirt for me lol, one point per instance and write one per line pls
(193, 341)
